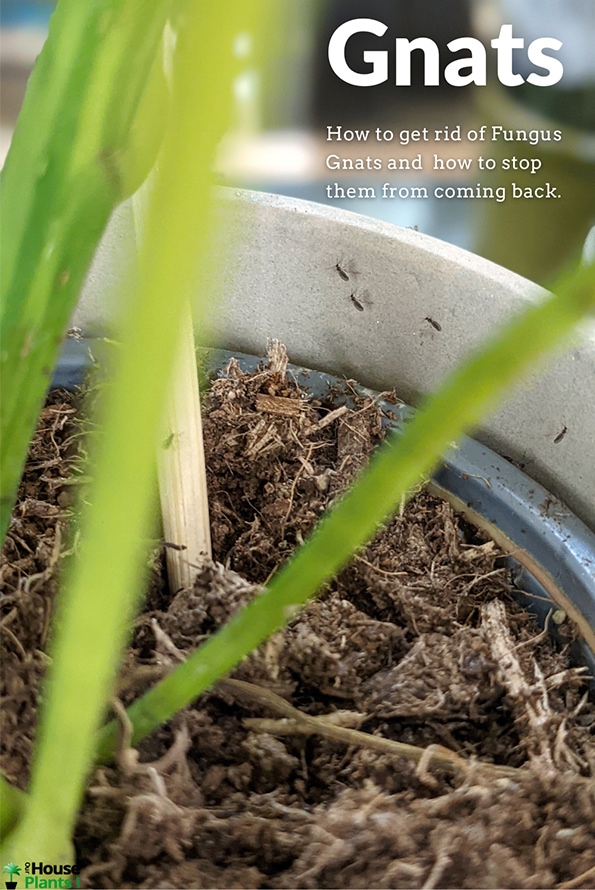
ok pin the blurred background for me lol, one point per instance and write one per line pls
(286, 95)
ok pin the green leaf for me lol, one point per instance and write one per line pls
(105, 580)
(72, 159)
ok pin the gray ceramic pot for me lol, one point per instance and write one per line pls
(282, 262)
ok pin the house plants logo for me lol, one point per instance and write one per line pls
(43, 876)
(12, 871)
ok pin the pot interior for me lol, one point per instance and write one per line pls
(551, 552)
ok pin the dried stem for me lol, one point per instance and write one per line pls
(180, 453)
(296, 721)
(182, 471)
(529, 699)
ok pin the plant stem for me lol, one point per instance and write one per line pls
(13, 803)
(295, 722)
(182, 470)
(181, 465)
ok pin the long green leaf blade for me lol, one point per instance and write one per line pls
(67, 168)
(105, 579)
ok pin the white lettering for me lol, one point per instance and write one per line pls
(471, 69)
(377, 58)
(554, 67)
(476, 64)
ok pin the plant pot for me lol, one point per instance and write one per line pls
(395, 309)
(282, 281)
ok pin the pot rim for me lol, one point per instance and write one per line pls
(274, 268)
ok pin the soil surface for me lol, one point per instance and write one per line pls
(411, 728)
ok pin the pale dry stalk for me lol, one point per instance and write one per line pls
(182, 470)
(529, 699)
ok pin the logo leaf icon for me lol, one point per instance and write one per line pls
(12, 869)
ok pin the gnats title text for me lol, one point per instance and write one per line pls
(468, 69)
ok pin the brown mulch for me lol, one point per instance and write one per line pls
(296, 773)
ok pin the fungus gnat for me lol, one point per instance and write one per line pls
(435, 325)
(341, 272)
(360, 301)
(560, 435)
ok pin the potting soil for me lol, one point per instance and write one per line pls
(294, 773)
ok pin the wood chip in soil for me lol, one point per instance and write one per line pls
(412, 727)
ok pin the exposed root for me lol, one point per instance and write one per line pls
(529, 699)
